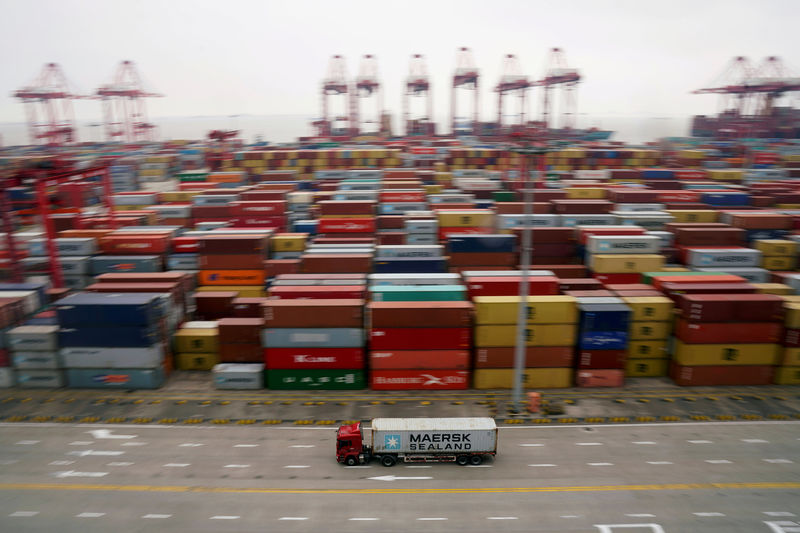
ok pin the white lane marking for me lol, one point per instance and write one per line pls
(89, 515)
(84, 453)
(755, 441)
(134, 444)
(236, 466)
(659, 462)
(106, 434)
(297, 466)
(718, 461)
(502, 518)
(27, 442)
(177, 465)
(644, 442)
(302, 446)
(588, 444)
(81, 443)
(419, 466)
(479, 466)
(72, 473)
(600, 464)
(544, 464)
(224, 517)
(641, 515)
(293, 518)
(190, 445)
(785, 526)
(395, 478)
(699, 442)
(708, 514)
(23, 514)
(432, 518)
(363, 519)
(120, 463)
(361, 466)
(609, 528)
(778, 461)
(531, 445)
(61, 463)
(570, 516)
(779, 513)
(156, 516)
(11, 461)
(245, 445)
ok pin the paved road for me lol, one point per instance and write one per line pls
(726, 477)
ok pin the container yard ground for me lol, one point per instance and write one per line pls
(189, 398)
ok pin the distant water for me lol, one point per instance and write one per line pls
(287, 128)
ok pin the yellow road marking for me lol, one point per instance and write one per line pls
(474, 490)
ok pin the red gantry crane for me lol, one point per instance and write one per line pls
(336, 84)
(124, 109)
(466, 76)
(368, 87)
(418, 86)
(48, 107)
(512, 83)
(559, 75)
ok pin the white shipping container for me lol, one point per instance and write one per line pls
(433, 435)
(238, 376)
(90, 357)
(414, 279)
(6, 377)
(623, 244)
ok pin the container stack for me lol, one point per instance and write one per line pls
(34, 355)
(727, 339)
(455, 222)
(233, 260)
(113, 340)
(74, 256)
(123, 177)
(778, 254)
(610, 258)
(240, 340)
(650, 329)
(410, 258)
(549, 339)
(419, 345)
(788, 372)
(314, 344)
(484, 250)
(196, 345)
(420, 230)
(604, 325)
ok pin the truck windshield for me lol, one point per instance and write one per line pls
(343, 443)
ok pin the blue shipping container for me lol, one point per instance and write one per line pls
(118, 337)
(410, 265)
(96, 309)
(115, 378)
(481, 243)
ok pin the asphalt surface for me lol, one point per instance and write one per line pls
(681, 477)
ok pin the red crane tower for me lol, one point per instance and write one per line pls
(418, 85)
(512, 83)
(559, 75)
(124, 110)
(48, 106)
(336, 84)
(466, 76)
(368, 87)
(731, 84)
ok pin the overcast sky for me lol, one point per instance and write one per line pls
(224, 57)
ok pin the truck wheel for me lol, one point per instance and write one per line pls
(475, 460)
(463, 460)
(388, 460)
(351, 460)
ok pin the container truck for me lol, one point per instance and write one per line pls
(417, 440)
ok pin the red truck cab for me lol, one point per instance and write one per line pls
(349, 444)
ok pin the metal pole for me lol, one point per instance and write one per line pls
(50, 232)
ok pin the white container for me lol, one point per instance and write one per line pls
(238, 376)
(433, 435)
(7, 377)
(36, 360)
(40, 379)
(90, 357)
(33, 338)
(623, 244)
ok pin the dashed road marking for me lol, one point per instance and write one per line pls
(73, 473)
(609, 528)
(641, 515)
(659, 462)
(84, 453)
(363, 519)
(699, 442)
(779, 513)
(302, 446)
(755, 441)
(427, 519)
(245, 445)
(224, 517)
(360, 466)
(81, 443)
(134, 444)
(588, 444)
(293, 518)
(543, 465)
(236, 466)
(419, 466)
(23, 514)
(600, 464)
(479, 466)
(644, 442)
(704, 515)
(12, 461)
(778, 461)
(570, 516)
(502, 518)
(718, 461)
(61, 463)
(784, 526)
(177, 465)
(190, 445)
(27, 442)
(89, 515)
(532, 445)
(120, 463)
(297, 466)
(157, 516)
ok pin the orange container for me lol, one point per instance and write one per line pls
(600, 378)
(418, 359)
(231, 277)
(660, 280)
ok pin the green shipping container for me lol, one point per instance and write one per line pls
(647, 277)
(419, 293)
(315, 379)
(192, 176)
(504, 196)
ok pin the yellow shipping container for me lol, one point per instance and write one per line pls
(178, 196)
(433, 189)
(727, 354)
(778, 263)
(773, 288)
(646, 368)
(649, 331)
(792, 310)
(648, 350)
(196, 340)
(533, 378)
(776, 247)
(585, 193)
(693, 215)
(676, 269)
(791, 357)
(289, 242)
(540, 310)
(463, 218)
(650, 308)
(787, 375)
(626, 263)
(538, 335)
(726, 174)
(196, 361)
(152, 172)
(130, 207)
(244, 291)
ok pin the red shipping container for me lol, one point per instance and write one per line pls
(278, 222)
(390, 222)
(445, 314)
(690, 174)
(248, 307)
(597, 359)
(418, 359)
(627, 294)
(318, 292)
(234, 244)
(627, 195)
(346, 225)
(564, 271)
(335, 263)
(707, 376)
(791, 338)
(509, 286)
(295, 358)
(258, 208)
(600, 378)
(402, 196)
(392, 237)
(728, 333)
(129, 244)
(535, 357)
(601, 293)
(482, 258)
(579, 284)
(277, 267)
(185, 245)
(5, 358)
(343, 209)
(211, 211)
(586, 232)
(730, 307)
(617, 278)
(230, 262)
(419, 379)
(518, 208)
(548, 235)
(659, 281)
(420, 338)
(241, 353)
(261, 196)
(240, 330)
(712, 236)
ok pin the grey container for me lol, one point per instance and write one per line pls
(422, 238)
(351, 196)
(33, 338)
(74, 266)
(40, 379)
(7, 378)
(433, 435)
(391, 251)
(312, 338)
(89, 357)
(105, 264)
(238, 376)
(172, 211)
(214, 199)
(65, 246)
(667, 237)
(623, 244)
(451, 198)
(183, 262)
(286, 255)
(36, 360)
(77, 282)
(534, 221)
(421, 225)
(414, 279)
(632, 208)
(588, 220)
(115, 378)
(741, 257)
(396, 208)
(753, 275)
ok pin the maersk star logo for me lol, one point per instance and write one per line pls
(391, 442)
